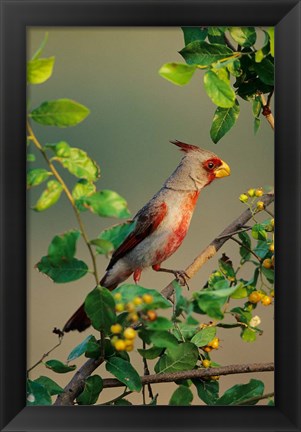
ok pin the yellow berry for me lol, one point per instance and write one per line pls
(117, 296)
(120, 345)
(215, 344)
(260, 205)
(272, 293)
(259, 192)
(251, 192)
(147, 298)
(151, 314)
(206, 363)
(207, 349)
(243, 198)
(266, 300)
(215, 377)
(137, 301)
(130, 307)
(202, 326)
(133, 317)
(254, 297)
(271, 248)
(129, 333)
(119, 307)
(267, 263)
(129, 345)
(116, 328)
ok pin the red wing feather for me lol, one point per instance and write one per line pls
(148, 219)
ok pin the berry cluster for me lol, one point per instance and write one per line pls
(214, 344)
(252, 195)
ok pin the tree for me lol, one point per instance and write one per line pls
(184, 344)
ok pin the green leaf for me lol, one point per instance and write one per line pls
(65, 271)
(203, 54)
(37, 394)
(92, 389)
(182, 396)
(204, 336)
(59, 367)
(63, 247)
(49, 197)
(80, 164)
(41, 47)
(258, 232)
(93, 349)
(241, 392)
(226, 268)
(117, 233)
(30, 157)
(51, 386)
(61, 148)
(163, 339)
(192, 34)
(124, 372)
(262, 248)
(122, 402)
(107, 203)
(210, 301)
(103, 247)
(244, 36)
(270, 32)
(216, 35)
(37, 176)
(207, 390)
(246, 241)
(130, 291)
(185, 331)
(177, 73)
(240, 293)
(269, 274)
(39, 70)
(234, 68)
(60, 112)
(100, 308)
(248, 335)
(178, 358)
(256, 107)
(257, 122)
(161, 323)
(150, 353)
(82, 189)
(224, 119)
(79, 349)
(220, 92)
(265, 70)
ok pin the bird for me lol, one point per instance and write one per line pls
(161, 225)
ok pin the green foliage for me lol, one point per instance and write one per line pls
(37, 176)
(59, 367)
(51, 386)
(107, 203)
(100, 308)
(50, 196)
(37, 394)
(239, 393)
(204, 336)
(130, 291)
(124, 372)
(60, 112)
(176, 358)
(163, 339)
(93, 387)
(182, 396)
(60, 264)
(220, 51)
(79, 349)
(39, 70)
(82, 189)
(151, 353)
(207, 390)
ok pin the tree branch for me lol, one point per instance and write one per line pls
(266, 111)
(195, 373)
(217, 243)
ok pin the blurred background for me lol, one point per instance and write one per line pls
(134, 114)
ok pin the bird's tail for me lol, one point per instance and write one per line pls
(79, 320)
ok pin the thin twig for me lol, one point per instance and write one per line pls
(195, 373)
(235, 232)
(45, 355)
(246, 247)
(68, 194)
(256, 399)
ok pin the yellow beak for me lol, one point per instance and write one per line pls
(223, 170)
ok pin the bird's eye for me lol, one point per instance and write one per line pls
(210, 165)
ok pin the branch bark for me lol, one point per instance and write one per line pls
(195, 373)
(75, 386)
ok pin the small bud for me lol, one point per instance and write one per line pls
(260, 205)
(119, 307)
(117, 296)
(116, 328)
(129, 333)
(120, 345)
(259, 192)
(147, 298)
(255, 321)
(251, 192)
(243, 198)
(206, 363)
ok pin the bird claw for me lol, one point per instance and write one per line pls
(181, 276)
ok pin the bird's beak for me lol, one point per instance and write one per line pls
(223, 170)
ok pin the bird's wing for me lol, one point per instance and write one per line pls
(147, 220)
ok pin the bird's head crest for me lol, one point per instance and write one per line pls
(186, 148)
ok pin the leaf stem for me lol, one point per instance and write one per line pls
(45, 355)
(68, 194)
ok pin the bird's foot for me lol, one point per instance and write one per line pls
(181, 276)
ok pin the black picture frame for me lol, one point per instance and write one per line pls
(16, 15)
